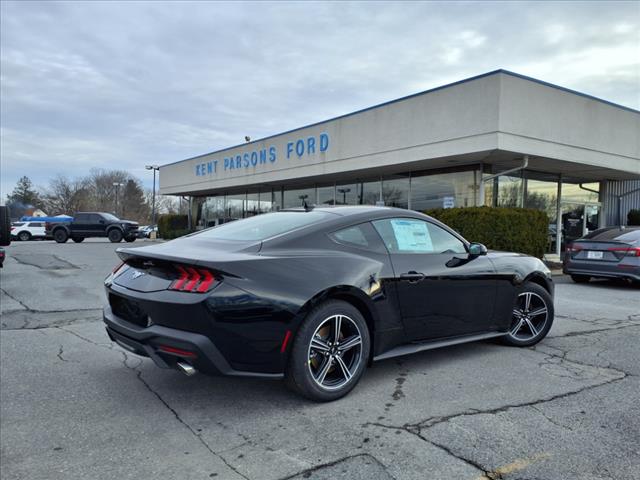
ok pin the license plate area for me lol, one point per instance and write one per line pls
(593, 255)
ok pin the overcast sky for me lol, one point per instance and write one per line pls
(121, 85)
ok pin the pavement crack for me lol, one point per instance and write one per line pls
(59, 355)
(309, 471)
(177, 416)
(16, 300)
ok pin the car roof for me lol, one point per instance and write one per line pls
(351, 210)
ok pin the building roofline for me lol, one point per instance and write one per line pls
(424, 92)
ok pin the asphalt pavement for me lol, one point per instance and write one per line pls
(75, 406)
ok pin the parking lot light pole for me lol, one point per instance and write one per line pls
(117, 185)
(153, 204)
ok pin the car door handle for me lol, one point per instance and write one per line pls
(412, 276)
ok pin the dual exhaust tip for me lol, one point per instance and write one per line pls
(187, 369)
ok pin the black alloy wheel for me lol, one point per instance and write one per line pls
(115, 235)
(330, 352)
(24, 236)
(78, 239)
(532, 316)
(60, 236)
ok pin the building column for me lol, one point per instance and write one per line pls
(559, 217)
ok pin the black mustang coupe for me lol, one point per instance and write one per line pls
(316, 295)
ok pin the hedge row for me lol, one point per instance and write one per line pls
(511, 229)
(172, 226)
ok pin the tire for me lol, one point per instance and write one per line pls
(5, 226)
(60, 235)
(24, 236)
(580, 278)
(78, 239)
(130, 239)
(528, 327)
(308, 362)
(115, 235)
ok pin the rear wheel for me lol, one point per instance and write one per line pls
(24, 236)
(330, 352)
(580, 278)
(115, 235)
(60, 235)
(78, 239)
(532, 316)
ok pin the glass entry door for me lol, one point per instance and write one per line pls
(578, 219)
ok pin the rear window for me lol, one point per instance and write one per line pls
(263, 226)
(36, 224)
(615, 235)
(17, 224)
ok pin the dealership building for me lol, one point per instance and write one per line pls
(498, 139)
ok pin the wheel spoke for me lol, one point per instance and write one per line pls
(324, 370)
(538, 311)
(337, 325)
(533, 329)
(350, 342)
(527, 301)
(319, 344)
(345, 370)
(517, 313)
(517, 328)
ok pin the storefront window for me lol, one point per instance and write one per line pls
(295, 198)
(326, 195)
(542, 195)
(347, 194)
(369, 193)
(442, 190)
(509, 192)
(571, 192)
(395, 192)
(234, 208)
(252, 205)
(265, 201)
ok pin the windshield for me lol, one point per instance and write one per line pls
(263, 226)
(111, 218)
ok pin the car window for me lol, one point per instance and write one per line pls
(81, 218)
(410, 235)
(36, 224)
(359, 236)
(17, 224)
(95, 218)
(264, 226)
(108, 217)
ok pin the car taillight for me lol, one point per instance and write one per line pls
(117, 267)
(626, 251)
(13, 228)
(191, 279)
(572, 248)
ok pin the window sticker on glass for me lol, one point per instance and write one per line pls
(412, 236)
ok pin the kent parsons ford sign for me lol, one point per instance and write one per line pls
(297, 148)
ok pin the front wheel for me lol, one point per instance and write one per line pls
(130, 239)
(115, 235)
(330, 352)
(24, 236)
(532, 316)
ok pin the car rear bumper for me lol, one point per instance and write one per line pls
(631, 272)
(167, 346)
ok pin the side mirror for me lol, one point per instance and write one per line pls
(477, 249)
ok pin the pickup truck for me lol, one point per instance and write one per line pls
(92, 224)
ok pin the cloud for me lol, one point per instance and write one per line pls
(121, 84)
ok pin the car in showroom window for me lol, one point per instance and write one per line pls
(314, 296)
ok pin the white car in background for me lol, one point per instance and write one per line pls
(27, 230)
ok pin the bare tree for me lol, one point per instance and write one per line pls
(65, 196)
